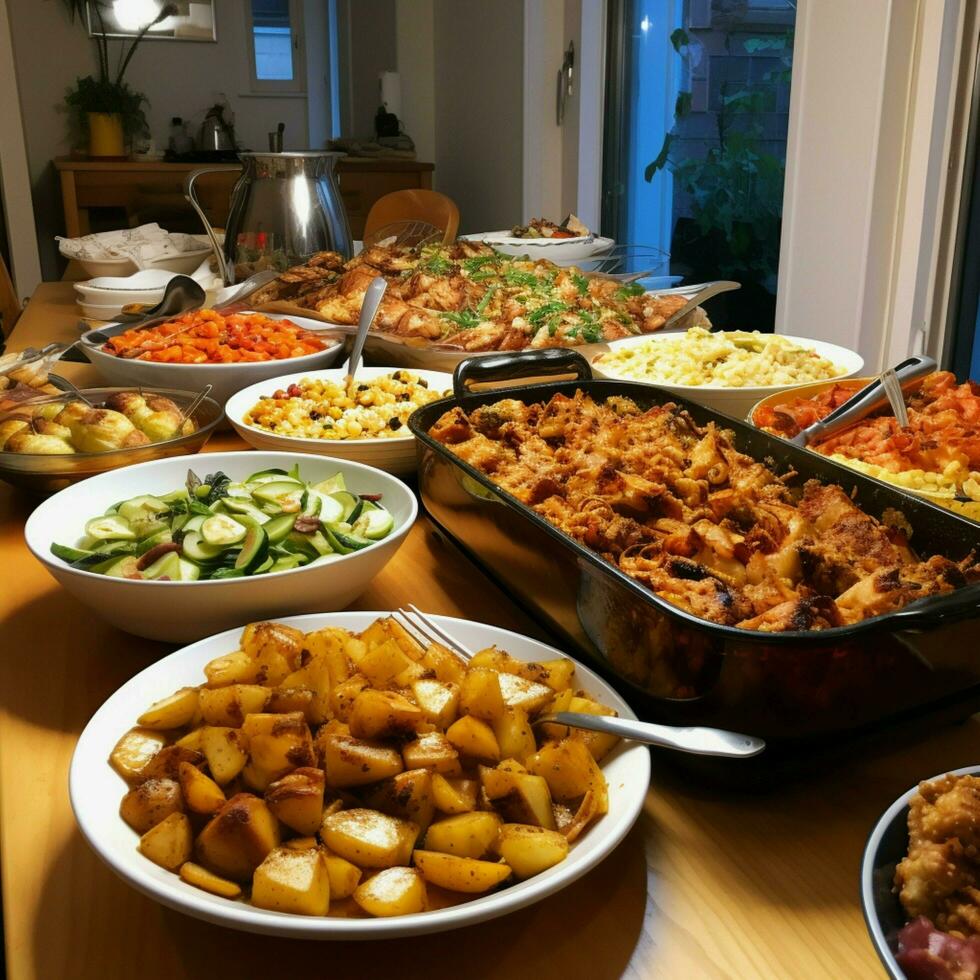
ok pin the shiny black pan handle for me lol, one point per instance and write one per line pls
(938, 610)
(518, 365)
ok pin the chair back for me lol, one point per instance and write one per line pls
(10, 305)
(414, 204)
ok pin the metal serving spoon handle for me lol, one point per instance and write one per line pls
(694, 739)
(708, 290)
(866, 401)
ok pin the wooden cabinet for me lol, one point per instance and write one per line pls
(140, 187)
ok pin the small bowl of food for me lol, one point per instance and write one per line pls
(228, 351)
(314, 412)
(250, 799)
(175, 555)
(728, 371)
(52, 441)
(541, 238)
(917, 877)
(937, 457)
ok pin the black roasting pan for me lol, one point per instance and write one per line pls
(794, 689)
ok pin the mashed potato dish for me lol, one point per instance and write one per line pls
(733, 359)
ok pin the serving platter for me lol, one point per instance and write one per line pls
(95, 790)
(561, 251)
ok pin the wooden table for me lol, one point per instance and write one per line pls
(709, 883)
(136, 185)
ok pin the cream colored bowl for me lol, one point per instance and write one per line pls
(394, 455)
(723, 398)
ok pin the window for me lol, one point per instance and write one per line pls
(275, 46)
(695, 143)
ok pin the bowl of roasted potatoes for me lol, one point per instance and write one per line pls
(52, 441)
(332, 777)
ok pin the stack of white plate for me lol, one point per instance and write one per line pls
(103, 297)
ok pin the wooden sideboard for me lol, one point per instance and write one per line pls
(139, 186)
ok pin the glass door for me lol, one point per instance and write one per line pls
(694, 155)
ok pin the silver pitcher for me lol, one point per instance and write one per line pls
(284, 208)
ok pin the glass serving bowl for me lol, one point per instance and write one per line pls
(47, 474)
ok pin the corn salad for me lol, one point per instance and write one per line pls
(377, 408)
(733, 359)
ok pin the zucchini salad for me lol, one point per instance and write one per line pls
(216, 529)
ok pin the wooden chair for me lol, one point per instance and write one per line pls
(10, 306)
(414, 204)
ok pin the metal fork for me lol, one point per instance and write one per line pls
(693, 739)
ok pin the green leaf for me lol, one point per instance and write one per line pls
(754, 44)
(661, 159)
(679, 39)
(682, 107)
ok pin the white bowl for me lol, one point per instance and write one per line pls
(105, 314)
(183, 611)
(185, 262)
(733, 401)
(562, 251)
(394, 455)
(96, 790)
(226, 379)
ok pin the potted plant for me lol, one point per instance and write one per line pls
(735, 189)
(103, 109)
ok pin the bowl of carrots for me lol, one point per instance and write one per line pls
(228, 351)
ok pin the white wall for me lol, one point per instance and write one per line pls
(180, 78)
(373, 49)
(479, 66)
(415, 43)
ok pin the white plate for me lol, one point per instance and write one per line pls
(736, 402)
(226, 379)
(96, 790)
(562, 251)
(395, 455)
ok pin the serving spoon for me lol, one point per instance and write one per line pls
(369, 310)
(693, 739)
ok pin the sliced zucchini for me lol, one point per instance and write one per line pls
(194, 547)
(147, 526)
(166, 566)
(246, 508)
(70, 554)
(110, 528)
(194, 522)
(348, 541)
(278, 528)
(331, 485)
(222, 530)
(141, 507)
(349, 503)
(163, 536)
(265, 566)
(265, 475)
(227, 573)
(299, 544)
(126, 567)
(255, 548)
(321, 543)
(286, 495)
(374, 524)
(284, 563)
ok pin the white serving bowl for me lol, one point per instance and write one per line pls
(225, 379)
(96, 789)
(183, 611)
(394, 455)
(732, 401)
(562, 251)
(185, 262)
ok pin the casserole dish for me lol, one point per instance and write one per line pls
(798, 690)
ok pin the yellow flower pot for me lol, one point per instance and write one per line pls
(105, 135)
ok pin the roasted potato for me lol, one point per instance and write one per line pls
(238, 837)
(295, 881)
(394, 891)
(330, 766)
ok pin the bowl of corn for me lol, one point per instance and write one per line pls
(316, 412)
(729, 371)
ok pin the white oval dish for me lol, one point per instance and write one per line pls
(184, 611)
(225, 379)
(562, 251)
(394, 455)
(96, 789)
(733, 401)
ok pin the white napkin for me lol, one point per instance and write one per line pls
(141, 244)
